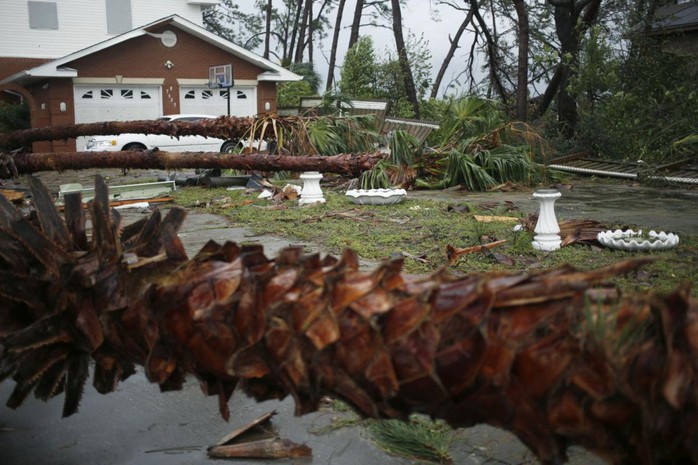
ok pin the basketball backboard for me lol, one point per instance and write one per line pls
(220, 76)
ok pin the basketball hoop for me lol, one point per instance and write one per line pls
(220, 77)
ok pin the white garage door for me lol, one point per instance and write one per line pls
(115, 103)
(204, 101)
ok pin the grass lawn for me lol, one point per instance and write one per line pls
(420, 230)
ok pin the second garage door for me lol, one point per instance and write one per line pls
(204, 101)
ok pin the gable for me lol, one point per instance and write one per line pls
(59, 68)
(145, 57)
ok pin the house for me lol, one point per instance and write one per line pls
(677, 25)
(117, 60)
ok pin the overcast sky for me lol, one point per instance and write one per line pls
(419, 17)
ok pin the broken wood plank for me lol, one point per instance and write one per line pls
(489, 219)
(264, 449)
(243, 429)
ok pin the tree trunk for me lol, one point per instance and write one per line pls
(300, 49)
(450, 54)
(333, 48)
(522, 68)
(552, 356)
(572, 19)
(356, 23)
(492, 54)
(296, 25)
(224, 127)
(267, 30)
(402, 56)
(550, 92)
(345, 164)
(311, 31)
(565, 26)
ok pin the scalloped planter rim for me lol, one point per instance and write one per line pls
(634, 240)
(376, 196)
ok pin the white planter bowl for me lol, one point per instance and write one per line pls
(376, 196)
(634, 240)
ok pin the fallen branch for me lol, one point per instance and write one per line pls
(453, 253)
(345, 164)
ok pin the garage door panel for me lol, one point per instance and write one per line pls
(201, 100)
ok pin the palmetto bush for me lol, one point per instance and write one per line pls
(480, 149)
(317, 135)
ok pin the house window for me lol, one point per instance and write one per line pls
(87, 95)
(127, 94)
(190, 95)
(145, 95)
(241, 94)
(118, 16)
(106, 93)
(223, 93)
(206, 94)
(43, 15)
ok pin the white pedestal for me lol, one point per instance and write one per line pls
(311, 192)
(547, 230)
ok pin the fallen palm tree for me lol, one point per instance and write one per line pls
(557, 357)
(345, 164)
(224, 127)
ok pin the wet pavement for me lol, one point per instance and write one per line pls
(139, 425)
(611, 202)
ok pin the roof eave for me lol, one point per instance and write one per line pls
(279, 77)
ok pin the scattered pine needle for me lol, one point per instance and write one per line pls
(415, 439)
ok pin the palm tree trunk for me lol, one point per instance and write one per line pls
(351, 165)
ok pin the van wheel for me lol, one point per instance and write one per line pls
(229, 146)
(134, 146)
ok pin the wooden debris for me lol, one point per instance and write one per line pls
(254, 424)
(580, 232)
(12, 195)
(263, 449)
(453, 253)
(234, 445)
(489, 219)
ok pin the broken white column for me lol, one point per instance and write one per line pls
(547, 230)
(311, 193)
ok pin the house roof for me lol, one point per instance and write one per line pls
(57, 68)
(675, 18)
